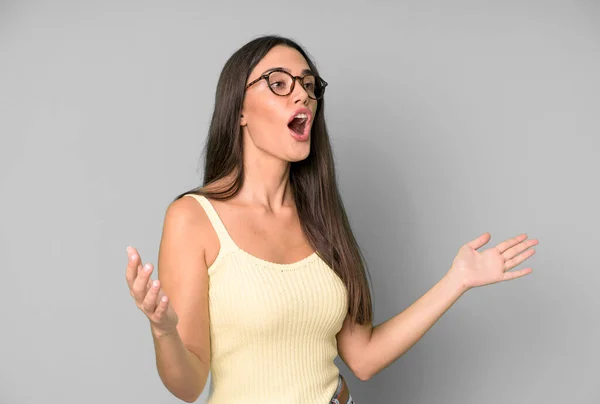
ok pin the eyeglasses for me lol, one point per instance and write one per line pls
(282, 83)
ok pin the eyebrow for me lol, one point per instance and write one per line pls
(305, 71)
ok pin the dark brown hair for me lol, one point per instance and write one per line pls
(313, 181)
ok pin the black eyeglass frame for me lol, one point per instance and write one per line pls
(294, 78)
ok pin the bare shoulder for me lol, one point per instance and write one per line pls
(187, 222)
(186, 212)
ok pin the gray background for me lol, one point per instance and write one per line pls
(448, 119)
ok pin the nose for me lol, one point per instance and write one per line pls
(299, 94)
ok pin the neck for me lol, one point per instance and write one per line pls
(266, 180)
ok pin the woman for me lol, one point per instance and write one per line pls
(261, 280)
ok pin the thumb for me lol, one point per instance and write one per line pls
(480, 241)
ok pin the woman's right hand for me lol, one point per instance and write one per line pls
(148, 296)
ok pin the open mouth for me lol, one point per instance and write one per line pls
(298, 124)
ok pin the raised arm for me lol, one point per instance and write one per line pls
(177, 303)
(367, 350)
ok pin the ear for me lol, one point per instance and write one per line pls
(243, 120)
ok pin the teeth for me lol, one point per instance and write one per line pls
(300, 116)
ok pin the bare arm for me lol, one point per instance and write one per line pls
(367, 350)
(180, 324)
(180, 370)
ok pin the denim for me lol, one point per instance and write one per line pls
(334, 399)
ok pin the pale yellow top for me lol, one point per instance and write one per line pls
(272, 326)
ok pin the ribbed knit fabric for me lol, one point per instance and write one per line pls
(272, 326)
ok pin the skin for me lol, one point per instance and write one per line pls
(263, 221)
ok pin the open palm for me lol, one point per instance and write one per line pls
(476, 268)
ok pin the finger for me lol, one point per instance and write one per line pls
(520, 247)
(510, 264)
(132, 264)
(161, 308)
(149, 304)
(140, 285)
(505, 245)
(480, 241)
(516, 274)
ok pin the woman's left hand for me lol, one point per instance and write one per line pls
(473, 268)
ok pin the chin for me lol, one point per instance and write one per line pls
(298, 156)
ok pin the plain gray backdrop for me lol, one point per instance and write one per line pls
(448, 119)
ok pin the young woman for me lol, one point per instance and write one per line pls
(260, 278)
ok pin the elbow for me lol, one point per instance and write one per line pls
(184, 390)
(186, 396)
(190, 399)
(362, 371)
(362, 375)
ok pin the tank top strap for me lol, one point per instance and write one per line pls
(227, 243)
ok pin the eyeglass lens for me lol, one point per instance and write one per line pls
(281, 84)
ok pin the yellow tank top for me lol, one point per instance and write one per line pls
(272, 326)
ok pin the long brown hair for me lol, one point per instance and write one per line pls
(313, 181)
